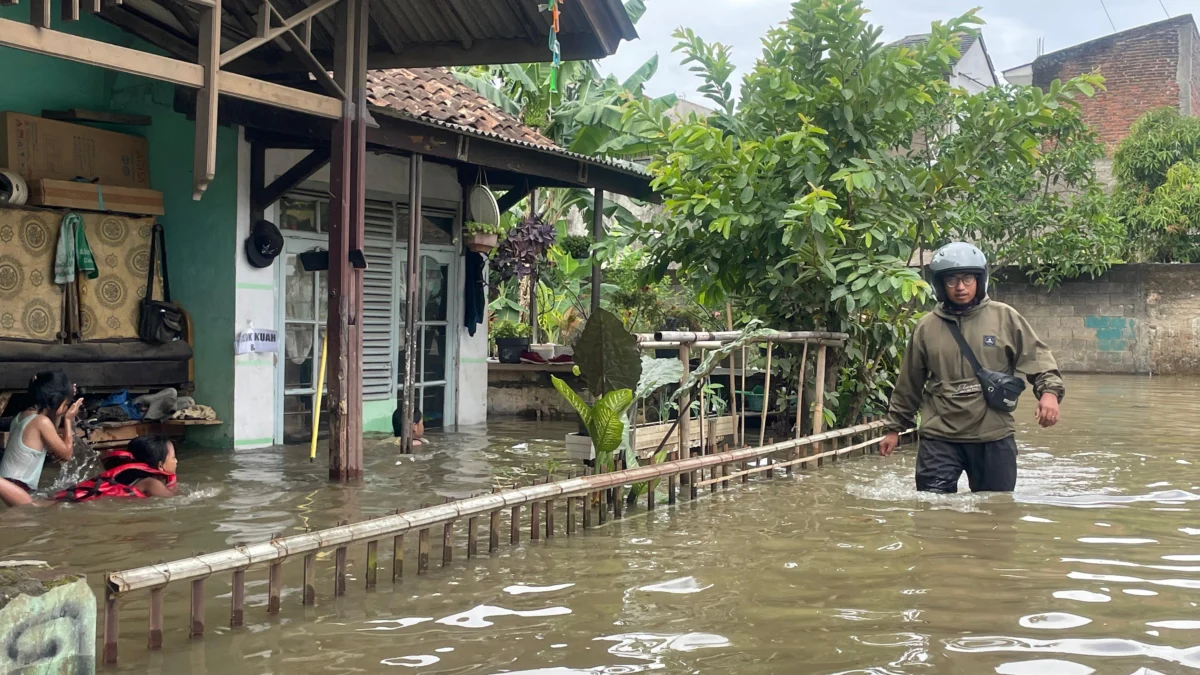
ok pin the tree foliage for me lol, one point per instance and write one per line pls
(1157, 167)
(807, 197)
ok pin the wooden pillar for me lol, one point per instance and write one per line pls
(685, 427)
(110, 626)
(357, 96)
(597, 235)
(412, 349)
(339, 278)
(818, 424)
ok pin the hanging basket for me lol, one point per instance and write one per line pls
(482, 242)
(484, 208)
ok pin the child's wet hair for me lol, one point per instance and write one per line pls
(49, 389)
(150, 450)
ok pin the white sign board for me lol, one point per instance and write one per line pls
(254, 340)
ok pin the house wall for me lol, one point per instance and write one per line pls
(973, 72)
(201, 269)
(1133, 319)
(259, 299)
(1143, 69)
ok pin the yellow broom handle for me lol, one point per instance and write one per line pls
(312, 450)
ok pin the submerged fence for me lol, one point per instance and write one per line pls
(579, 498)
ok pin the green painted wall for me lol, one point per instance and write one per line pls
(201, 236)
(377, 415)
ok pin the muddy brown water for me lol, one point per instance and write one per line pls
(1093, 565)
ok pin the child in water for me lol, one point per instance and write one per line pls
(45, 428)
(418, 424)
(145, 469)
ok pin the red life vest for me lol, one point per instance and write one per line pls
(108, 483)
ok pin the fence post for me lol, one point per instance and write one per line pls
(819, 407)
(494, 527)
(397, 557)
(237, 614)
(274, 587)
(310, 588)
(197, 624)
(156, 618)
(110, 626)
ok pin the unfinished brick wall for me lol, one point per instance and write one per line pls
(1134, 319)
(1142, 71)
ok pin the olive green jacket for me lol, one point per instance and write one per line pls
(936, 378)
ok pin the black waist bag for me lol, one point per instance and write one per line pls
(1000, 390)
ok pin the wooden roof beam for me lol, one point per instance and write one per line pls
(266, 33)
(54, 43)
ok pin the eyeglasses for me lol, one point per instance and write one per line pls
(964, 280)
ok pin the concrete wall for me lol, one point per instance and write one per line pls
(973, 72)
(1144, 68)
(1134, 319)
(199, 234)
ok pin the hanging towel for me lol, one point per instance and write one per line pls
(474, 294)
(73, 253)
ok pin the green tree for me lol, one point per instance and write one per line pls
(1157, 168)
(807, 197)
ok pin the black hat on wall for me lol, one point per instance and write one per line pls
(264, 244)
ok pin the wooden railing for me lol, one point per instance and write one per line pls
(575, 494)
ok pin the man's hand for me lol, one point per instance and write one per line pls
(1047, 410)
(888, 445)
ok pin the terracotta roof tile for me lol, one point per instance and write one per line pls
(435, 94)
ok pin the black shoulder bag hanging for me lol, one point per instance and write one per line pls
(1000, 390)
(160, 321)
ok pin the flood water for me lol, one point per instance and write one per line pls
(1093, 565)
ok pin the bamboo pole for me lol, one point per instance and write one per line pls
(472, 538)
(766, 405)
(802, 460)
(742, 434)
(800, 397)
(339, 565)
(110, 626)
(423, 551)
(685, 414)
(494, 528)
(731, 336)
(424, 518)
(448, 543)
(535, 518)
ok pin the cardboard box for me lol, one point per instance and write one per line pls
(92, 197)
(40, 148)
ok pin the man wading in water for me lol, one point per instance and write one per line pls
(963, 384)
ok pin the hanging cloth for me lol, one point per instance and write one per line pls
(73, 253)
(474, 293)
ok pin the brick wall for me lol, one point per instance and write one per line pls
(1134, 319)
(1141, 68)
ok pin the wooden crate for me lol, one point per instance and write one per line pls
(650, 435)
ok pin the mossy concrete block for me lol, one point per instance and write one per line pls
(46, 627)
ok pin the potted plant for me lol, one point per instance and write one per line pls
(578, 246)
(481, 237)
(512, 338)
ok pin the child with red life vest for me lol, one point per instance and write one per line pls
(145, 469)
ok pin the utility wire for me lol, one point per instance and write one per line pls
(1110, 21)
(1164, 8)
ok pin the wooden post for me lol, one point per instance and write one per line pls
(274, 587)
(372, 563)
(733, 408)
(535, 519)
(800, 404)
(412, 349)
(494, 528)
(197, 628)
(310, 583)
(725, 470)
(549, 516)
(156, 617)
(110, 626)
(339, 571)
(338, 276)
(472, 538)
(447, 544)
(597, 236)
(208, 20)
(742, 403)
(397, 557)
(685, 427)
(586, 503)
(818, 424)
(514, 534)
(237, 613)
(571, 514)
(766, 403)
(357, 97)
(423, 551)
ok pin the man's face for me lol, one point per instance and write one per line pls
(960, 288)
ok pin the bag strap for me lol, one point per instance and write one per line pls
(162, 249)
(150, 269)
(956, 331)
(158, 245)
